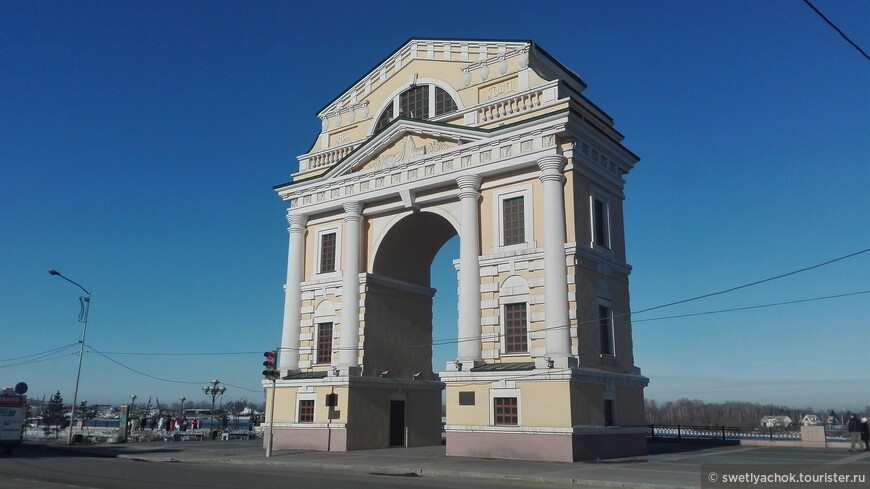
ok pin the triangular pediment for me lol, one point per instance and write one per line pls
(404, 141)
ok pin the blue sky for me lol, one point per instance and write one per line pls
(139, 142)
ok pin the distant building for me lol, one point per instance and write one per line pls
(492, 141)
(811, 420)
(776, 421)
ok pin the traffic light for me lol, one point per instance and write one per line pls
(270, 372)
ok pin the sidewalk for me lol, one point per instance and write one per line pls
(668, 465)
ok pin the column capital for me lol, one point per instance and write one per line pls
(469, 186)
(552, 168)
(353, 211)
(297, 221)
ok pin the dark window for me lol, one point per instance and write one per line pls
(385, 118)
(443, 102)
(327, 253)
(324, 342)
(466, 398)
(306, 411)
(608, 412)
(601, 223)
(514, 221)
(506, 411)
(414, 103)
(516, 338)
(605, 330)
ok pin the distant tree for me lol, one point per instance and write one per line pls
(54, 414)
(235, 407)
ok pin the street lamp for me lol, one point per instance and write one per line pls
(182, 399)
(213, 390)
(83, 318)
(132, 402)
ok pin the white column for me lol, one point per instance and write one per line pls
(558, 337)
(469, 348)
(289, 357)
(349, 341)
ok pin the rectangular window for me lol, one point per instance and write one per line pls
(516, 338)
(306, 411)
(600, 223)
(513, 220)
(605, 321)
(608, 412)
(324, 343)
(327, 253)
(506, 411)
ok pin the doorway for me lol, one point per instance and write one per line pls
(397, 423)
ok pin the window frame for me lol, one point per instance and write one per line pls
(393, 103)
(318, 258)
(318, 339)
(306, 411)
(505, 326)
(607, 327)
(524, 191)
(606, 241)
(501, 393)
(309, 397)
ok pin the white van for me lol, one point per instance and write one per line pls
(12, 417)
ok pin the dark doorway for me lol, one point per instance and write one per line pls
(397, 423)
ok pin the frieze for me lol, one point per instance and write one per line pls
(431, 165)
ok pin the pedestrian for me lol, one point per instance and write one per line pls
(170, 426)
(161, 423)
(854, 428)
(865, 434)
(184, 424)
(153, 423)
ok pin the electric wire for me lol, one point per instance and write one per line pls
(751, 284)
(154, 376)
(46, 352)
(842, 34)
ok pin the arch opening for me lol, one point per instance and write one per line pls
(399, 298)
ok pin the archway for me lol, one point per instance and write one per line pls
(399, 298)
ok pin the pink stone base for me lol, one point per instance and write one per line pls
(334, 440)
(545, 447)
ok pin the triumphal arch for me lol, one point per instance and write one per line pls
(492, 141)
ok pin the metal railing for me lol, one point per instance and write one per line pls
(695, 432)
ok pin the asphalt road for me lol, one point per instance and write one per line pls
(38, 468)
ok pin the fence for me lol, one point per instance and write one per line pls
(724, 433)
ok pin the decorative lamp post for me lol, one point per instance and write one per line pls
(132, 402)
(182, 399)
(83, 318)
(213, 391)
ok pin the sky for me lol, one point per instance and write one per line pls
(139, 143)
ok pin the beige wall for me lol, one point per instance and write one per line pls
(477, 415)
(541, 402)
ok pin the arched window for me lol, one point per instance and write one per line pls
(419, 102)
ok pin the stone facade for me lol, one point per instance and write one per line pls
(491, 141)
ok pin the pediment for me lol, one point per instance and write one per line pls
(410, 147)
(406, 141)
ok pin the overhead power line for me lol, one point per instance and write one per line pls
(173, 381)
(757, 282)
(842, 34)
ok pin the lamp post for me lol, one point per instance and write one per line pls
(182, 399)
(132, 402)
(83, 318)
(213, 390)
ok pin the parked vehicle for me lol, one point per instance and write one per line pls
(12, 419)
